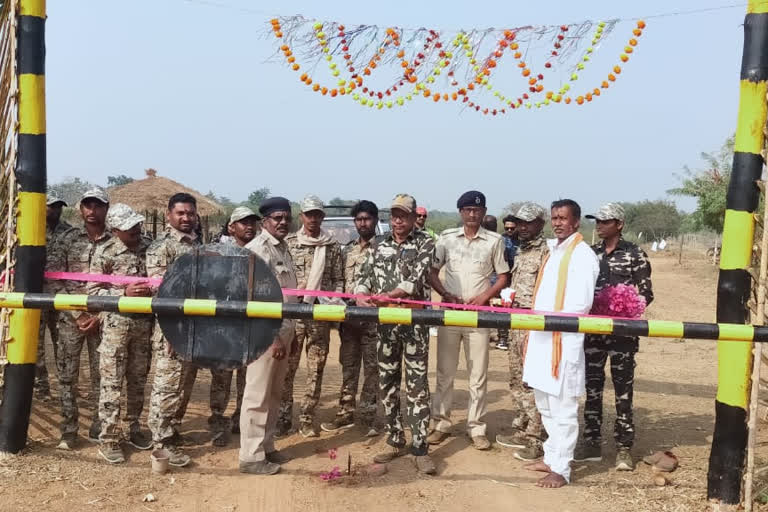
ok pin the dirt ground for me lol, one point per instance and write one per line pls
(674, 409)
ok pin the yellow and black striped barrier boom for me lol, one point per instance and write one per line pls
(328, 313)
(726, 460)
(30, 224)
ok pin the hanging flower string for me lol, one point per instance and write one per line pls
(535, 82)
(624, 57)
(396, 49)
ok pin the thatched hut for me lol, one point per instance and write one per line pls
(152, 194)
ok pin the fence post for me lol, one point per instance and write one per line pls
(30, 225)
(726, 460)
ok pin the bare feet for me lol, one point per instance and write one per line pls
(538, 466)
(552, 481)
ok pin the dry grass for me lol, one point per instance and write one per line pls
(153, 192)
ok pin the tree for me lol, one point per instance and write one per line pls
(709, 187)
(257, 197)
(116, 181)
(656, 219)
(70, 189)
(440, 221)
(224, 201)
(337, 201)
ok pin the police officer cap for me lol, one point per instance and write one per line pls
(274, 204)
(471, 198)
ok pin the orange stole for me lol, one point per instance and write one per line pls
(562, 279)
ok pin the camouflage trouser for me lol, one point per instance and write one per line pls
(68, 369)
(318, 338)
(166, 389)
(47, 319)
(621, 351)
(126, 352)
(358, 345)
(527, 418)
(221, 382)
(240, 384)
(398, 343)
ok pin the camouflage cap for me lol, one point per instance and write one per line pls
(529, 212)
(609, 211)
(122, 217)
(311, 203)
(242, 212)
(403, 202)
(52, 200)
(96, 193)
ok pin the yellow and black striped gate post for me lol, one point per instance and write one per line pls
(726, 460)
(30, 224)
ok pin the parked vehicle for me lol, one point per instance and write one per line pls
(341, 225)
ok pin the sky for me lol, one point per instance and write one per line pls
(188, 87)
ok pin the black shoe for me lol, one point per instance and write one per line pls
(42, 394)
(529, 454)
(278, 457)
(235, 425)
(177, 458)
(263, 467)
(178, 439)
(112, 453)
(138, 440)
(588, 452)
(220, 439)
(339, 423)
(282, 430)
(68, 441)
(94, 431)
(308, 430)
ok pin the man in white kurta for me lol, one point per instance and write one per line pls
(557, 396)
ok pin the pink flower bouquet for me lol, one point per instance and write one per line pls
(619, 301)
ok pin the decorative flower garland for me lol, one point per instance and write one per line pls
(395, 46)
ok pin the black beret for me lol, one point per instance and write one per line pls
(274, 204)
(471, 198)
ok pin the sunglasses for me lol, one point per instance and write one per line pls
(277, 219)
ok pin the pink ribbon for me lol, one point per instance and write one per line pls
(101, 278)
(155, 281)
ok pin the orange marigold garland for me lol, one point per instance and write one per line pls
(624, 57)
(367, 49)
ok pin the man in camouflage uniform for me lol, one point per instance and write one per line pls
(317, 258)
(54, 229)
(242, 228)
(621, 262)
(125, 338)
(73, 253)
(398, 269)
(178, 239)
(358, 339)
(528, 432)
